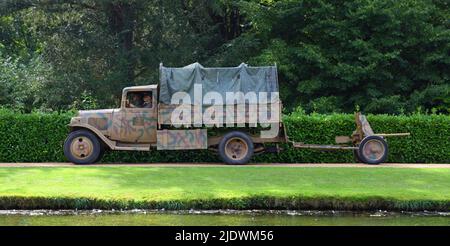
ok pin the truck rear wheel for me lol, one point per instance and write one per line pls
(373, 150)
(82, 147)
(236, 148)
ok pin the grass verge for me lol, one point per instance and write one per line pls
(225, 188)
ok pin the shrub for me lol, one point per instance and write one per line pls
(39, 137)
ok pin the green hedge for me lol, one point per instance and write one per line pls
(39, 138)
(241, 203)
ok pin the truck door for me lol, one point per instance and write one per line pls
(139, 120)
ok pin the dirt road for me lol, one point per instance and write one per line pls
(305, 165)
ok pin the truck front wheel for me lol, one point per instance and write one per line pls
(236, 148)
(82, 147)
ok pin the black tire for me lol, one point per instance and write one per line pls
(240, 138)
(356, 156)
(95, 152)
(382, 151)
(102, 153)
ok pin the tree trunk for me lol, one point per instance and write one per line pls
(122, 24)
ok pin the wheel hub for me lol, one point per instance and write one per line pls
(236, 148)
(81, 147)
(373, 150)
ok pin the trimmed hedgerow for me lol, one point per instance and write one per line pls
(253, 202)
(39, 138)
(32, 137)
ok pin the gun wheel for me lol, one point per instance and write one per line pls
(373, 150)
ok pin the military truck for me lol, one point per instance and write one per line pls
(151, 117)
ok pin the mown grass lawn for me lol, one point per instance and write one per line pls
(208, 183)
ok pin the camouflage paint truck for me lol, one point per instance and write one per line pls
(235, 112)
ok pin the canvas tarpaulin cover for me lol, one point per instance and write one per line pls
(243, 79)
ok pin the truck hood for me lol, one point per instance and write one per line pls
(100, 113)
(100, 119)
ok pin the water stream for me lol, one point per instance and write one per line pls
(220, 217)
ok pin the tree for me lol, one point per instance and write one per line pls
(385, 56)
(99, 47)
(375, 54)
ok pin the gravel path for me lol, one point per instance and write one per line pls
(387, 165)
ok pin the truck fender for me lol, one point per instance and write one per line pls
(108, 142)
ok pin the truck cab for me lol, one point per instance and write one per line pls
(132, 126)
(136, 119)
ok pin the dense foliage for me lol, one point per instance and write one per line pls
(384, 56)
(39, 137)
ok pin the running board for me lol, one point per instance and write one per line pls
(132, 147)
(322, 147)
